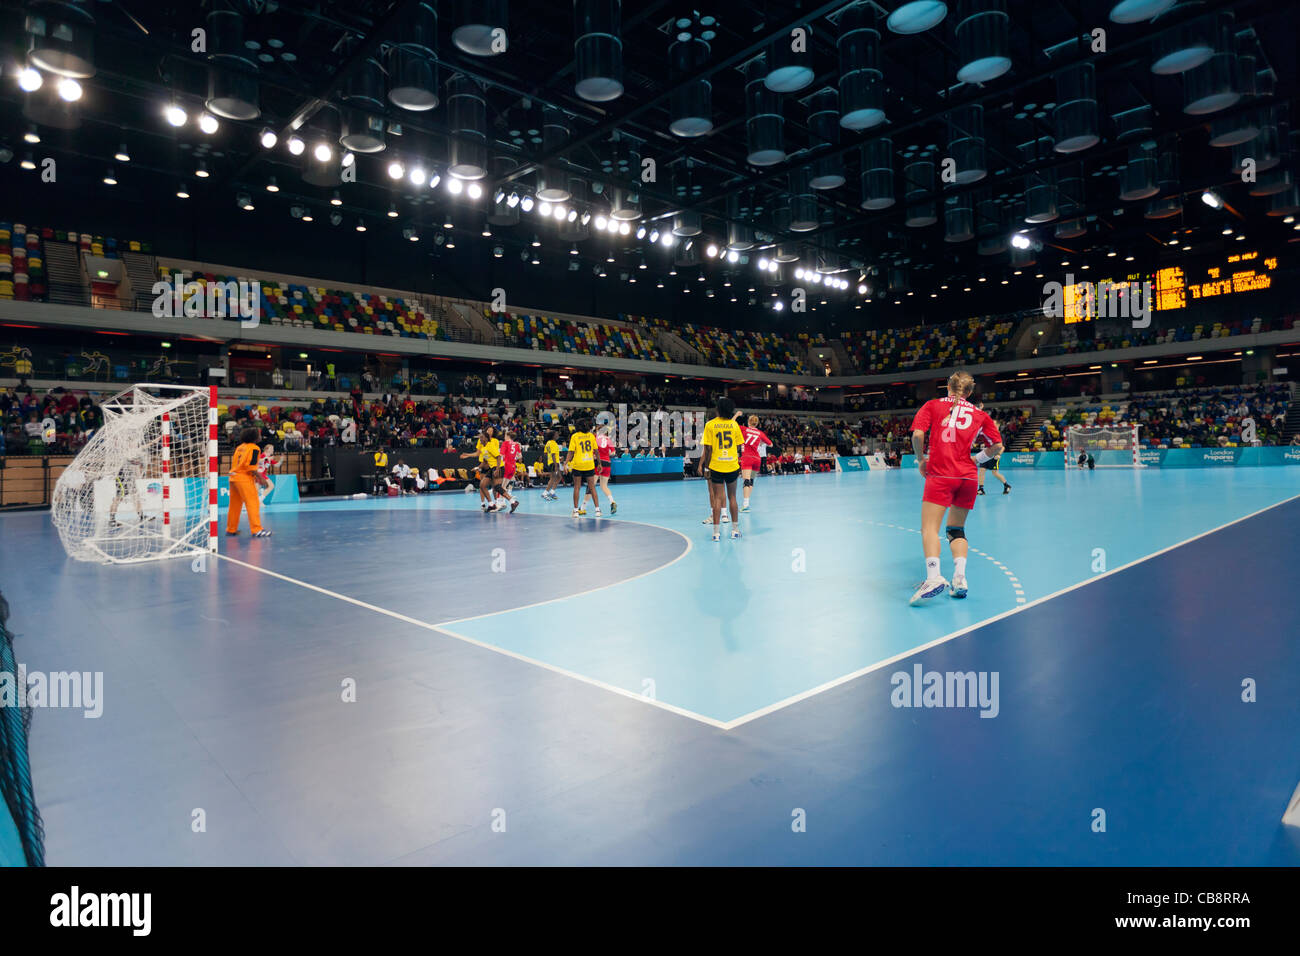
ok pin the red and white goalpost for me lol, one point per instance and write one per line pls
(145, 486)
(1124, 439)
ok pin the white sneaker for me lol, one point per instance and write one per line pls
(958, 587)
(735, 533)
(575, 512)
(745, 506)
(929, 589)
(726, 517)
(597, 512)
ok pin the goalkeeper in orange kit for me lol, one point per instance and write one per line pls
(243, 485)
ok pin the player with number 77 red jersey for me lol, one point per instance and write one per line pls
(951, 479)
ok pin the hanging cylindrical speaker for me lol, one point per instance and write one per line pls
(1023, 258)
(1138, 178)
(1272, 182)
(598, 49)
(1286, 202)
(232, 95)
(480, 27)
(966, 146)
(1135, 11)
(691, 102)
(1212, 86)
(361, 132)
(983, 40)
(1040, 199)
(878, 173)
(740, 236)
(1069, 192)
(1071, 228)
(918, 179)
(823, 136)
(687, 224)
(687, 254)
(1164, 208)
(412, 67)
(1184, 47)
(61, 37)
(958, 218)
(1076, 116)
(363, 124)
(803, 204)
(467, 117)
(501, 213)
(764, 124)
(862, 85)
(897, 280)
(1264, 150)
(789, 61)
(553, 182)
(318, 173)
(624, 204)
(1234, 130)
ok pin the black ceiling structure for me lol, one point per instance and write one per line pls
(885, 147)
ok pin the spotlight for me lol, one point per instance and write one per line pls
(475, 190)
(733, 256)
(182, 192)
(778, 305)
(667, 239)
(348, 159)
(455, 186)
(418, 175)
(272, 186)
(654, 235)
(573, 250)
(27, 162)
(586, 218)
(640, 233)
(392, 211)
(208, 123)
(573, 214)
(322, 152)
(526, 204)
(69, 90)
(336, 199)
(413, 235)
(512, 200)
(109, 178)
(601, 222)
(201, 170)
(307, 216)
(1020, 241)
(499, 198)
(1227, 230)
(395, 170)
(798, 273)
(625, 229)
(244, 202)
(862, 288)
(122, 156)
(267, 138)
(536, 261)
(296, 145)
(30, 80)
(361, 225)
(536, 241)
(175, 115)
(560, 212)
(435, 177)
(543, 209)
(1211, 199)
(762, 263)
(498, 252)
(710, 250)
(486, 233)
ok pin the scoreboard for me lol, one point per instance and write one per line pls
(1175, 287)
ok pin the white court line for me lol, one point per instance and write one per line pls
(821, 688)
(442, 628)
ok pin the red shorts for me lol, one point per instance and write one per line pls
(951, 492)
(604, 470)
(753, 464)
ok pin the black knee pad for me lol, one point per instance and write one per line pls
(955, 533)
(749, 482)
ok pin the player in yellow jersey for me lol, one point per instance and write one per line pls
(582, 464)
(485, 448)
(552, 466)
(721, 445)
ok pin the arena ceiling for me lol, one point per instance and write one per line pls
(799, 137)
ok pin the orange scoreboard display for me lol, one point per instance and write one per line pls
(1174, 287)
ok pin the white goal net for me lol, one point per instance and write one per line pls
(1107, 447)
(145, 485)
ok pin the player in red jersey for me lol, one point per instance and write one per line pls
(751, 456)
(510, 452)
(952, 424)
(605, 447)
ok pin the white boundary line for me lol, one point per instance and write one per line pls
(804, 695)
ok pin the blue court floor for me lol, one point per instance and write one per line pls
(534, 688)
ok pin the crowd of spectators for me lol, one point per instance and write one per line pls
(56, 423)
(1083, 337)
(960, 342)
